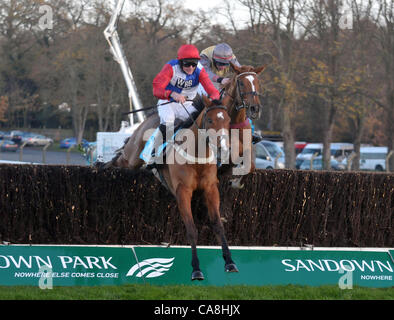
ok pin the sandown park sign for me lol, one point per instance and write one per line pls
(47, 266)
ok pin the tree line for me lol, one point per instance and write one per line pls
(331, 77)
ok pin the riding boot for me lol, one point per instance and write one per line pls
(158, 140)
(163, 131)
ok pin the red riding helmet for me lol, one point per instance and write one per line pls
(188, 51)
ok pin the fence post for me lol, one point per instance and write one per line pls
(44, 152)
(276, 160)
(350, 161)
(21, 150)
(68, 153)
(388, 160)
(313, 158)
(91, 151)
(1, 144)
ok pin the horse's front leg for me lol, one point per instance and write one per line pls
(184, 198)
(212, 200)
(242, 170)
(243, 158)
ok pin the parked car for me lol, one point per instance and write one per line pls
(68, 142)
(372, 158)
(338, 150)
(14, 135)
(8, 145)
(34, 139)
(266, 154)
(318, 164)
(298, 146)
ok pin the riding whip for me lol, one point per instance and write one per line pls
(148, 108)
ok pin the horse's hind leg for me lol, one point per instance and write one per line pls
(212, 200)
(184, 198)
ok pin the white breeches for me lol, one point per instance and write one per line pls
(171, 111)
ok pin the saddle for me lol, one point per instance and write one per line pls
(149, 155)
(153, 152)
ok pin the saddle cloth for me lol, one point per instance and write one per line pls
(147, 153)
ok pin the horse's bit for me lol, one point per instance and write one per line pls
(254, 108)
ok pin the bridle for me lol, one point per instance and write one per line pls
(205, 114)
(212, 146)
(204, 118)
(254, 108)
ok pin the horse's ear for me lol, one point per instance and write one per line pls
(235, 68)
(207, 101)
(259, 69)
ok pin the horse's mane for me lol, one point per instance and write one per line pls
(198, 103)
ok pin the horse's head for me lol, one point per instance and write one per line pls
(216, 124)
(247, 89)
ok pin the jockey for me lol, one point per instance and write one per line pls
(216, 61)
(176, 85)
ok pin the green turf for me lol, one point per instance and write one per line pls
(180, 292)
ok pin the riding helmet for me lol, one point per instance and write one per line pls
(222, 53)
(188, 51)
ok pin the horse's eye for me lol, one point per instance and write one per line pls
(210, 121)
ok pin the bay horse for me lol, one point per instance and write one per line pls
(242, 98)
(183, 178)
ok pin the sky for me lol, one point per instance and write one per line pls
(239, 12)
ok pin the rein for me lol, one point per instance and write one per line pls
(205, 114)
(151, 107)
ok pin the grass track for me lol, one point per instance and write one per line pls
(179, 292)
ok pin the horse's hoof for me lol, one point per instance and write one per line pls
(231, 267)
(237, 185)
(197, 275)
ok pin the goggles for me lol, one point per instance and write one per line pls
(189, 63)
(222, 64)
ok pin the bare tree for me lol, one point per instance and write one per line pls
(327, 77)
(385, 41)
(280, 21)
(361, 53)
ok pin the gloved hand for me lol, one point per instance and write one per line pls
(178, 97)
(225, 81)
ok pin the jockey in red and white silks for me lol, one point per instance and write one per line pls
(178, 81)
